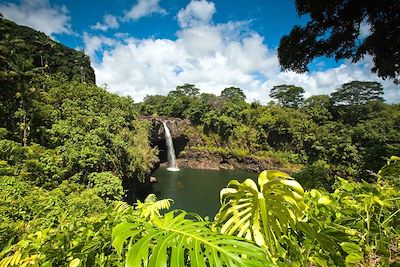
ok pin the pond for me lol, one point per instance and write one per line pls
(196, 190)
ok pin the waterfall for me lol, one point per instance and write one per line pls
(170, 150)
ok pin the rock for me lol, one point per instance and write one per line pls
(203, 159)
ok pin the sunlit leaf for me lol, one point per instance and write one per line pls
(261, 214)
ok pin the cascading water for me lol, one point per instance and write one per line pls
(170, 150)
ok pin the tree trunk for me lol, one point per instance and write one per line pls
(25, 131)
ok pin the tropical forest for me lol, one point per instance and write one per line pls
(190, 176)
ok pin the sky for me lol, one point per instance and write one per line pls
(147, 47)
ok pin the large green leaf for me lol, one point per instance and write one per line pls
(261, 214)
(175, 240)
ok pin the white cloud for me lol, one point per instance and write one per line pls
(196, 13)
(325, 82)
(213, 57)
(110, 22)
(144, 8)
(94, 44)
(38, 14)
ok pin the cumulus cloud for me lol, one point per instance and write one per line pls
(96, 43)
(144, 8)
(196, 13)
(140, 67)
(38, 14)
(212, 56)
(325, 82)
(110, 22)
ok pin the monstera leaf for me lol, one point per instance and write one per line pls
(175, 240)
(261, 214)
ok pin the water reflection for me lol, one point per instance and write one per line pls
(195, 190)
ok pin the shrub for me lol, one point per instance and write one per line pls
(106, 185)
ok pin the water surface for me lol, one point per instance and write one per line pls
(196, 190)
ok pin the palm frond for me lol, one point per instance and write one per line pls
(17, 259)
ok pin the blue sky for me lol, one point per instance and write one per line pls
(271, 19)
(141, 47)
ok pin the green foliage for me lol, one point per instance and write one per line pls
(365, 214)
(83, 134)
(178, 239)
(334, 30)
(357, 93)
(26, 209)
(288, 95)
(318, 107)
(53, 57)
(355, 223)
(151, 207)
(316, 175)
(233, 94)
(262, 214)
(391, 171)
(186, 90)
(106, 185)
(151, 105)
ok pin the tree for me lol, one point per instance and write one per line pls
(9, 47)
(44, 44)
(335, 30)
(20, 70)
(185, 90)
(24, 71)
(357, 93)
(233, 94)
(152, 104)
(318, 107)
(288, 95)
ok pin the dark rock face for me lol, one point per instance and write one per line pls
(175, 125)
(203, 159)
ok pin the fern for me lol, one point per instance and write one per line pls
(152, 207)
(122, 207)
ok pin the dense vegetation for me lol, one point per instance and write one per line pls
(68, 148)
(22, 45)
(348, 133)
